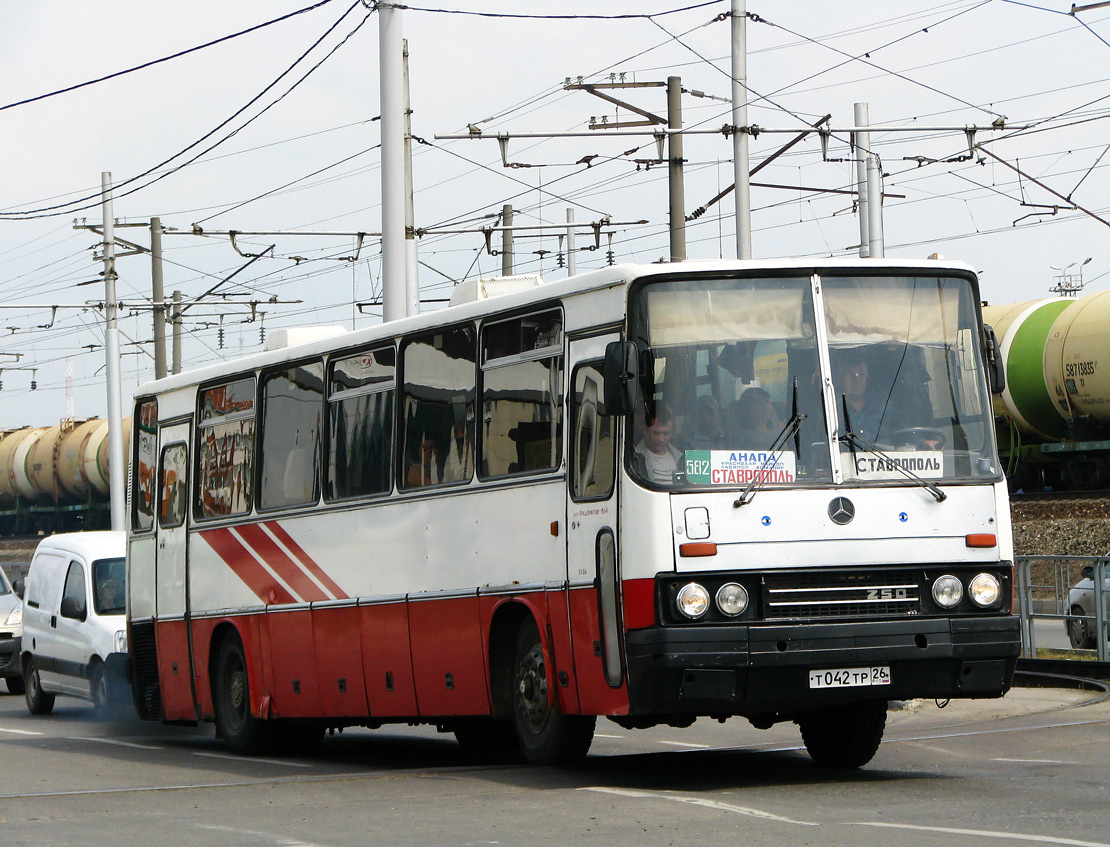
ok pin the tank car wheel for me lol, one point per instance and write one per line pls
(546, 735)
(844, 736)
(1079, 631)
(39, 702)
(235, 724)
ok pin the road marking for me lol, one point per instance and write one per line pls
(1038, 761)
(264, 836)
(19, 731)
(699, 801)
(686, 744)
(987, 833)
(252, 759)
(600, 735)
(113, 741)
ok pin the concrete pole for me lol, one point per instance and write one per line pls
(412, 264)
(571, 254)
(117, 461)
(862, 140)
(506, 240)
(177, 332)
(158, 296)
(392, 102)
(676, 188)
(876, 247)
(740, 139)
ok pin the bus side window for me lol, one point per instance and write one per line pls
(292, 408)
(592, 442)
(522, 395)
(360, 424)
(225, 450)
(438, 410)
(171, 488)
(145, 440)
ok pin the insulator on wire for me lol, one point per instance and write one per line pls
(220, 338)
(610, 257)
(34, 384)
(262, 335)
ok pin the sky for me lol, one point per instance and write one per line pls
(275, 129)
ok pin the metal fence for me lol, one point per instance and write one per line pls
(1072, 592)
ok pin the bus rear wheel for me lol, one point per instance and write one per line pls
(235, 724)
(844, 736)
(546, 735)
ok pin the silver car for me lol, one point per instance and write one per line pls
(1081, 605)
(11, 634)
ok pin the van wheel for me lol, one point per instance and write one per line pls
(235, 724)
(15, 684)
(844, 736)
(546, 735)
(101, 691)
(39, 702)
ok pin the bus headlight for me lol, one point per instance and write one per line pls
(984, 590)
(732, 599)
(948, 591)
(693, 600)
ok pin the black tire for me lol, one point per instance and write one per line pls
(100, 690)
(1079, 631)
(235, 724)
(486, 735)
(546, 735)
(15, 684)
(844, 736)
(39, 702)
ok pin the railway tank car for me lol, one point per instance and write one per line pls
(55, 478)
(1054, 416)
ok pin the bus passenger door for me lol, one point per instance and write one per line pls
(593, 563)
(173, 638)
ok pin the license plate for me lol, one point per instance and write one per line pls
(849, 677)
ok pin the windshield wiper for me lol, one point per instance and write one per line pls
(854, 440)
(792, 428)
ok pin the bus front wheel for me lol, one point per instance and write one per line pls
(844, 736)
(235, 724)
(546, 735)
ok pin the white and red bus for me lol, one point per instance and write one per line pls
(649, 493)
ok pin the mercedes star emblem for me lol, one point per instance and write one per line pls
(841, 510)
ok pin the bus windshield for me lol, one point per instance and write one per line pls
(742, 391)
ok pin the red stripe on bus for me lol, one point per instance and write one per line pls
(246, 567)
(281, 535)
(278, 560)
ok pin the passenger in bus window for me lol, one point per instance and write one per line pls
(656, 457)
(428, 468)
(755, 422)
(707, 433)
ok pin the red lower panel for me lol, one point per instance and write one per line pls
(202, 660)
(561, 649)
(339, 662)
(594, 692)
(639, 603)
(172, 645)
(387, 660)
(291, 662)
(448, 660)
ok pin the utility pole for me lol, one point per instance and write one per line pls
(177, 332)
(862, 142)
(117, 462)
(158, 297)
(507, 240)
(675, 184)
(740, 172)
(392, 102)
(412, 264)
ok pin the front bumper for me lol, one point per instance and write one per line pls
(760, 670)
(9, 657)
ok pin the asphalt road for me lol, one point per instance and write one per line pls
(1031, 768)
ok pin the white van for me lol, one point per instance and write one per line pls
(74, 622)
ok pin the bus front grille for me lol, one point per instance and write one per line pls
(841, 594)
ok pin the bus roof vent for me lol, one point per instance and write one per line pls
(482, 289)
(276, 339)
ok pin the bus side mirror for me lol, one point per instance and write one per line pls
(996, 371)
(621, 373)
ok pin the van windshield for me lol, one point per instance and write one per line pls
(108, 582)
